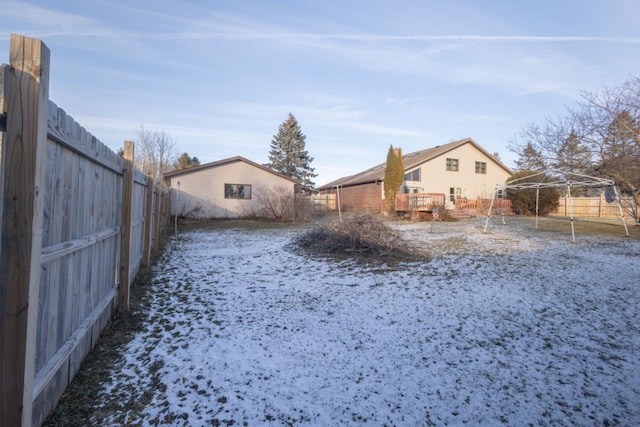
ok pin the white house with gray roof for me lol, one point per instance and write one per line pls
(458, 170)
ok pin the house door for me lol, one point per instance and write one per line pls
(454, 193)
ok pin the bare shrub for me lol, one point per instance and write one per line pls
(276, 203)
(279, 204)
(360, 236)
(438, 213)
(190, 212)
(303, 208)
(442, 214)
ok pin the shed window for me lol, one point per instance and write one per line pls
(237, 191)
(412, 176)
(452, 164)
(481, 167)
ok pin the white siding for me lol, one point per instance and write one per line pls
(201, 193)
(435, 178)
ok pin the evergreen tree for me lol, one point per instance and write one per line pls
(184, 162)
(393, 177)
(288, 154)
(620, 152)
(524, 200)
(530, 159)
(572, 155)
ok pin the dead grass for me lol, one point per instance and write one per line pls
(219, 224)
(582, 226)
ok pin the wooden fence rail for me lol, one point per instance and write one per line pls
(77, 223)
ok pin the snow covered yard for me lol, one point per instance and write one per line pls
(512, 326)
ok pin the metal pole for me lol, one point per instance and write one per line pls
(537, 204)
(490, 207)
(337, 187)
(175, 217)
(573, 233)
(615, 190)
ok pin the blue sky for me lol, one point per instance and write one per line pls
(220, 76)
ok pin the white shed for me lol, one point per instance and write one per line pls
(229, 188)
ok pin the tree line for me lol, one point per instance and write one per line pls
(156, 154)
(599, 136)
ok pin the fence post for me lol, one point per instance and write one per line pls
(125, 245)
(23, 153)
(4, 101)
(158, 209)
(600, 204)
(148, 225)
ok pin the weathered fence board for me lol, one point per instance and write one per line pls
(4, 103)
(125, 242)
(323, 203)
(23, 180)
(590, 207)
(67, 195)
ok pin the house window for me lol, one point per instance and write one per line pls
(237, 191)
(452, 164)
(454, 193)
(412, 176)
(481, 167)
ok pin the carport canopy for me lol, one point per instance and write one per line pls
(556, 178)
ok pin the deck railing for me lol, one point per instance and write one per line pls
(425, 202)
(418, 201)
(482, 204)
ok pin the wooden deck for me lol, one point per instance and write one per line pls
(425, 202)
(421, 202)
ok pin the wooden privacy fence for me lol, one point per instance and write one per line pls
(77, 223)
(323, 203)
(591, 207)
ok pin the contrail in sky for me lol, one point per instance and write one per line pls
(240, 35)
(392, 38)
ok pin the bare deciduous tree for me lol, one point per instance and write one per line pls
(155, 152)
(600, 136)
(610, 120)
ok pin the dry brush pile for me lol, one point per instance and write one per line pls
(359, 236)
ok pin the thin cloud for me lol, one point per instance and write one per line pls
(385, 130)
(241, 36)
(248, 36)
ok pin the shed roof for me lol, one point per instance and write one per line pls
(409, 161)
(226, 162)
